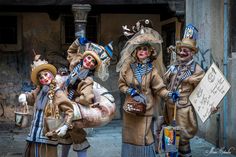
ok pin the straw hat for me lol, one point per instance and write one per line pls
(39, 65)
(95, 56)
(101, 54)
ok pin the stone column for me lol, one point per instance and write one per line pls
(80, 12)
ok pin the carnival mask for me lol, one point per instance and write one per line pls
(89, 62)
(45, 77)
(142, 53)
(184, 54)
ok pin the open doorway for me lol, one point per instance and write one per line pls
(170, 31)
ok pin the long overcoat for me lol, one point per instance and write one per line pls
(185, 114)
(137, 128)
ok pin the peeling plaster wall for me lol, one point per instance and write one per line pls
(43, 35)
(40, 33)
(208, 17)
(232, 102)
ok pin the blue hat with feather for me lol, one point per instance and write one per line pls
(189, 39)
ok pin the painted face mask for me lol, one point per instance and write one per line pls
(45, 77)
(89, 62)
(184, 55)
(142, 52)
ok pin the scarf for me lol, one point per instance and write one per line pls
(141, 69)
(77, 74)
(42, 98)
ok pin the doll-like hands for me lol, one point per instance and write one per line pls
(140, 98)
(22, 98)
(82, 40)
(133, 92)
(136, 96)
(174, 95)
(62, 130)
(214, 109)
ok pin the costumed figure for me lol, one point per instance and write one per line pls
(158, 119)
(182, 77)
(140, 81)
(50, 103)
(94, 105)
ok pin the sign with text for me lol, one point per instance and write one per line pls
(209, 92)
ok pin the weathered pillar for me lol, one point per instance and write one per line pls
(80, 12)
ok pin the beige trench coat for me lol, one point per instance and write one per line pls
(137, 128)
(84, 95)
(84, 92)
(185, 114)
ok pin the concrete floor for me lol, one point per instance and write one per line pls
(105, 142)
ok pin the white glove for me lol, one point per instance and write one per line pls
(62, 130)
(22, 98)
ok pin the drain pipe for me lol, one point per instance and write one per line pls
(226, 49)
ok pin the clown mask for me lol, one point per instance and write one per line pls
(142, 53)
(89, 62)
(45, 77)
(184, 54)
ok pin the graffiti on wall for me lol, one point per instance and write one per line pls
(205, 58)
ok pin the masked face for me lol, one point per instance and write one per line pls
(142, 53)
(184, 54)
(45, 77)
(89, 62)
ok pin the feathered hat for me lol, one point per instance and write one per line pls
(137, 27)
(146, 36)
(39, 65)
(189, 39)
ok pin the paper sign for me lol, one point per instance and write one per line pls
(209, 92)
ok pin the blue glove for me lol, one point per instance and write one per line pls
(174, 95)
(132, 92)
(83, 40)
(140, 98)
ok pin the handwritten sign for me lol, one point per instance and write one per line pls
(209, 92)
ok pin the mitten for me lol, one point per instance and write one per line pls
(62, 130)
(83, 40)
(132, 92)
(140, 98)
(174, 95)
(22, 98)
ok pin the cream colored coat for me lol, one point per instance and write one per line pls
(84, 91)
